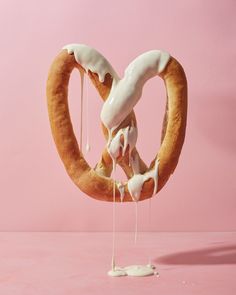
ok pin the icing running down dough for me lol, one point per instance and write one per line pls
(90, 59)
(135, 183)
(130, 138)
(126, 92)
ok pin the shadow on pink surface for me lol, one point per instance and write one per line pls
(207, 256)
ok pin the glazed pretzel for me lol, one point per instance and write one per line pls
(97, 182)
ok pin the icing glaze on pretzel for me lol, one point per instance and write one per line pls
(119, 123)
(124, 95)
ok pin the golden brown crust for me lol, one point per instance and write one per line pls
(97, 182)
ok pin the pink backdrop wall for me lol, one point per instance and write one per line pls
(35, 192)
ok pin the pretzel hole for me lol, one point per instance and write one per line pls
(96, 138)
(150, 112)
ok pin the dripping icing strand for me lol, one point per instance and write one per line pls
(149, 225)
(114, 144)
(136, 223)
(121, 188)
(87, 145)
(81, 111)
(113, 264)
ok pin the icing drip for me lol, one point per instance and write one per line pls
(129, 139)
(121, 189)
(133, 270)
(81, 111)
(87, 145)
(149, 223)
(135, 183)
(113, 264)
(136, 223)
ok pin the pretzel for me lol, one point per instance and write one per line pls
(118, 123)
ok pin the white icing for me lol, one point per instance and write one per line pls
(135, 183)
(87, 145)
(115, 145)
(133, 270)
(113, 264)
(81, 112)
(126, 92)
(121, 189)
(149, 224)
(91, 59)
(136, 223)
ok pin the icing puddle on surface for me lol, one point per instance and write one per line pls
(122, 98)
(134, 271)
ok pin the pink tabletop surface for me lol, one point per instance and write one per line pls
(77, 263)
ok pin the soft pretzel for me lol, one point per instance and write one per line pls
(119, 123)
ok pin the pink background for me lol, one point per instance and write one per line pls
(35, 192)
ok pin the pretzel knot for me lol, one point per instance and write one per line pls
(118, 122)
